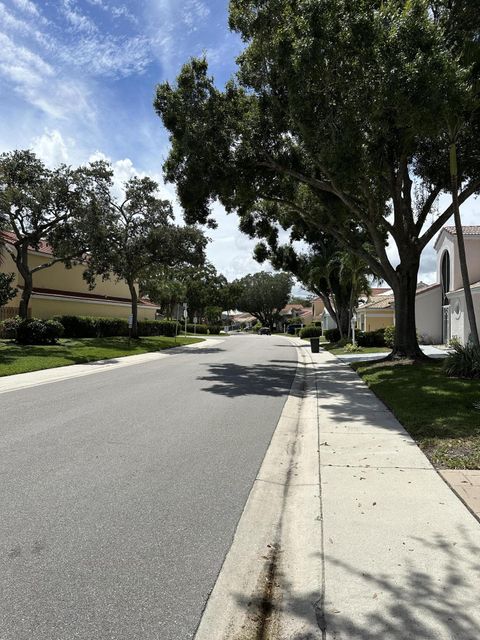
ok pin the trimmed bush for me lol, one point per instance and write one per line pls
(8, 328)
(214, 330)
(93, 327)
(464, 362)
(332, 335)
(35, 331)
(201, 329)
(370, 338)
(157, 328)
(311, 331)
(389, 336)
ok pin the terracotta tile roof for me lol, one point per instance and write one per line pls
(377, 291)
(378, 302)
(143, 302)
(472, 230)
(43, 246)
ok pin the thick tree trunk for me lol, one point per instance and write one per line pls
(22, 266)
(406, 342)
(134, 299)
(461, 248)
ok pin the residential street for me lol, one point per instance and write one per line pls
(121, 490)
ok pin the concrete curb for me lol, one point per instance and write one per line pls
(57, 374)
(348, 533)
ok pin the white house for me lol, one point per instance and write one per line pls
(450, 310)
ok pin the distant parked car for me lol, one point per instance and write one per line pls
(265, 331)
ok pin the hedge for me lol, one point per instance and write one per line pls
(311, 331)
(93, 327)
(35, 331)
(370, 338)
(157, 328)
(332, 335)
(214, 329)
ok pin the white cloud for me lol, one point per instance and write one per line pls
(77, 20)
(52, 148)
(108, 55)
(27, 6)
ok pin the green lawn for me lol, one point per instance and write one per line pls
(15, 358)
(437, 411)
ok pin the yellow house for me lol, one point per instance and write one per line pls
(61, 291)
(377, 313)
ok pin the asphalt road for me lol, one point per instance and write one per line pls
(121, 491)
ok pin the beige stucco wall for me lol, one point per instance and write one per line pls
(317, 308)
(371, 320)
(47, 307)
(60, 278)
(428, 312)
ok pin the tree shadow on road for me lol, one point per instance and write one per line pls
(267, 379)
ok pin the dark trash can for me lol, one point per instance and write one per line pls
(315, 345)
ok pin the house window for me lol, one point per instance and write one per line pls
(445, 276)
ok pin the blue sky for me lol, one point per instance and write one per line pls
(77, 80)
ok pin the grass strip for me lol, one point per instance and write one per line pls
(437, 411)
(16, 358)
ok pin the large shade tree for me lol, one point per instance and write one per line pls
(340, 112)
(264, 295)
(140, 234)
(61, 207)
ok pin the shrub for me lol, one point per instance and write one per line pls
(464, 362)
(157, 328)
(93, 327)
(311, 331)
(110, 327)
(9, 328)
(201, 329)
(389, 336)
(370, 338)
(35, 331)
(353, 348)
(332, 335)
(214, 329)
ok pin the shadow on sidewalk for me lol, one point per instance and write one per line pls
(436, 600)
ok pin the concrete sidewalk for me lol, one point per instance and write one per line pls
(349, 533)
(400, 549)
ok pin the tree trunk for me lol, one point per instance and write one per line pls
(22, 266)
(134, 299)
(461, 247)
(406, 342)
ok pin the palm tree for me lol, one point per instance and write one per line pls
(354, 272)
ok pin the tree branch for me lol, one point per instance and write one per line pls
(472, 188)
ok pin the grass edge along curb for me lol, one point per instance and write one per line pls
(15, 359)
(437, 411)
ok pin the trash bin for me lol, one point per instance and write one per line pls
(315, 345)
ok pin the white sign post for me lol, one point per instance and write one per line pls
(185, 315)
(354, 324)
(195, 320)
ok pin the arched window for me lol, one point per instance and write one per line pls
(445, 276)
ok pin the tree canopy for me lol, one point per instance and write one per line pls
(60, 206)
(340, 113)
(138, 235)
(264, 295)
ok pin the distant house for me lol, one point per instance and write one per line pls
(61, 291)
